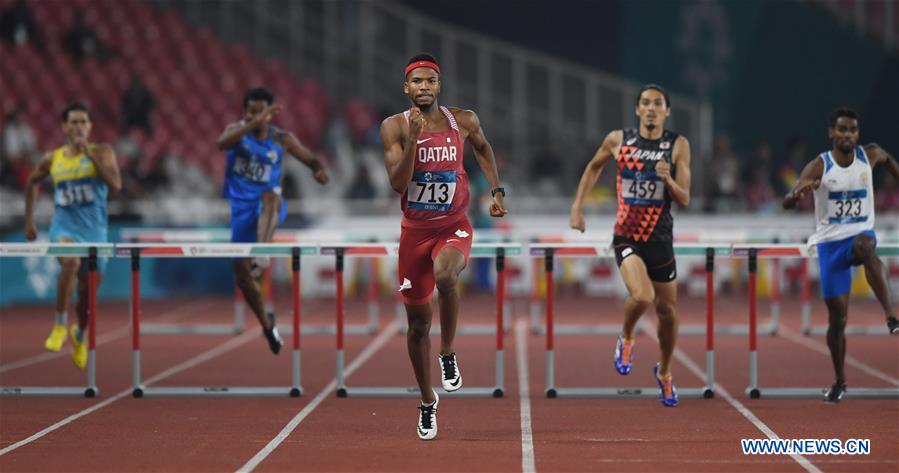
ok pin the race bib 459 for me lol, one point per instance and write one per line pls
(645, 191)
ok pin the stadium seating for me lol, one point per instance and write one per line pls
(197, 79)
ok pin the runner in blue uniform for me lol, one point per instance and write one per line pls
(255, 149)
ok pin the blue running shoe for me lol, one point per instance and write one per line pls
(666, 384)
(624, 356)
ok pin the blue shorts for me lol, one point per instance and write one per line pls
(245, 218)
(57, 234)
(835, 262)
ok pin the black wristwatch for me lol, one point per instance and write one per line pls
(499, 190)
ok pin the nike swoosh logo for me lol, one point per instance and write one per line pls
(459, 380)
(631, 141)
(422, 141)
(422, 432)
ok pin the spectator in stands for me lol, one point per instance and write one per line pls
(886, 195)
(17, 26)
(128, 150)
(725, 189)
(137, 106)
(361, 187)
(759, 193)
(546, 173)
(82, 41)
(785, 169)
(19, 150)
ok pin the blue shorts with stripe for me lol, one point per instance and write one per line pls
(835, 262)
(245, 218)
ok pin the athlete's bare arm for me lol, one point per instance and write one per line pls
(809, 180)
(399, 147)
(483, 152)
(878, 155)
(296, 149)
(105, 162)
(235, 131)
(679, 187)
(607, 151)
(34, 180)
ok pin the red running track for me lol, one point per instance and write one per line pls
(368, 435)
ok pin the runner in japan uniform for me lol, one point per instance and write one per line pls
(644, 225)
(434, 207)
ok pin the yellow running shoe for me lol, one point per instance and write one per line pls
(79, 348)
(56, 339)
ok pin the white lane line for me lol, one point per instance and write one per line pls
(850, 360)
(528, 463)
(201, 358)
(171, 315)
(719, 390)
(386, 334)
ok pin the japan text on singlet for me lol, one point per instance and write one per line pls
(644, 205)
(254, 166)
(438, 191)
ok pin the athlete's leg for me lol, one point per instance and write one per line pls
(268, 217)
(665, 302)
(68, 270)
(449, 263)
(875, 272)
(418, 343)
(640, 293)
(251, 291)
(245, 222)
(837, 312)
(81, 307)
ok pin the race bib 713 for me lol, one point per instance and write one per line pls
(431, 190)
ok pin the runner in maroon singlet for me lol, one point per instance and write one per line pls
(423, 155)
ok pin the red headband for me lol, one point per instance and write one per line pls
(417, 64)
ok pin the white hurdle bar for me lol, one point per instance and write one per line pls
(684, 249)
(479, 250)
(756, 392)
(886, 250)
(549, 251)
(91, 251)
(223, 235)
(214, 250)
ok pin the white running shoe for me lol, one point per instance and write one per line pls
(427, 419)
(452, 378)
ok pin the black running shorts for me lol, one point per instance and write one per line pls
(658, 256)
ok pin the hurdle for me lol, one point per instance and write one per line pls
(886, 250)
(213, 250)
(549, 252)
(756, 392)
(91, 251)
(223, 235)
(499, 251)
(682, 249)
